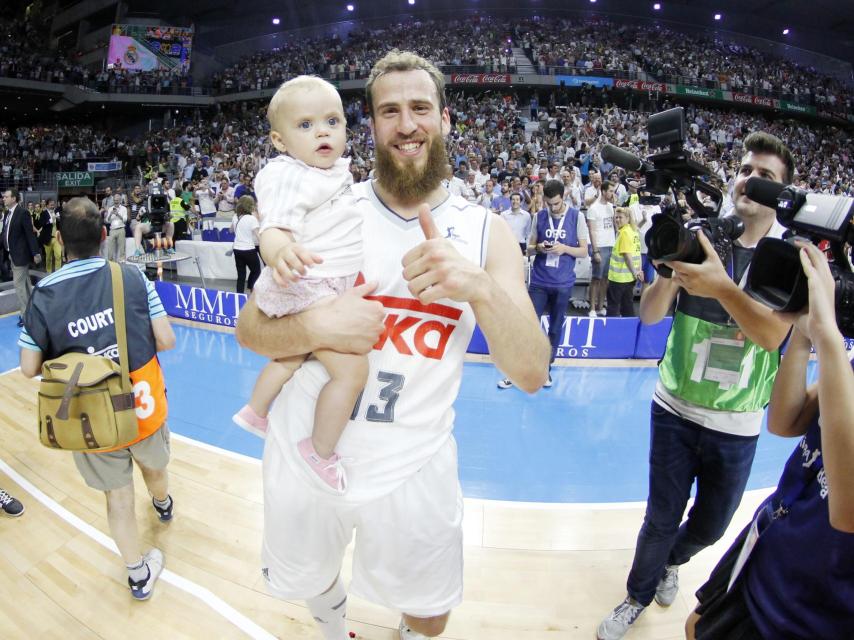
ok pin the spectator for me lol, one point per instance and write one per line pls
(559, 237)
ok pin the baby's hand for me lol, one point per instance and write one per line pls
(292, 261)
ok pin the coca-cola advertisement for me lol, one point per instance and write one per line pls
(749, 99)
(640, 85)
(480, 78)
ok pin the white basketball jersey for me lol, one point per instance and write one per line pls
(405, 413)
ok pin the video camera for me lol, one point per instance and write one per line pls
(158, 206)
(776, 277)
(670, 238)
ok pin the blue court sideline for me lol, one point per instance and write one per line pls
(583, 440)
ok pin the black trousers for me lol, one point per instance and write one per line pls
(243, 259)
(5, 266)
(621, 299)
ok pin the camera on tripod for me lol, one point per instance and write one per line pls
(158, 206)
(776, 277)
(670, 238)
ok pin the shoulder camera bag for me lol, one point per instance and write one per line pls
(85, 401)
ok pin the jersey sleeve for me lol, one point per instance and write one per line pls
(34, 336)
(155, 305)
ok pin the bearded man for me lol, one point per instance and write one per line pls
(434, 266)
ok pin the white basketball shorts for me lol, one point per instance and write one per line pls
(408, 552)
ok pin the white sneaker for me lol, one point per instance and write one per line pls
(505, 384)
(406, 633)
(548, 381)
(592, 313)
(668, 586)
(154, 561)
(620, 619)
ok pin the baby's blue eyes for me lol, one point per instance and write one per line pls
(332, 122)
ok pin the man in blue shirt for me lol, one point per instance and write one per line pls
(71, 311)
(558, 236)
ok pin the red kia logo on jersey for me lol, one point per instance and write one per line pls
(411, 334)
(406, 331)
(427, 337)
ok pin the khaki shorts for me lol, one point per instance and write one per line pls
(114, 469)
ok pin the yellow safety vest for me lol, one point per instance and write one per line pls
(176, 210)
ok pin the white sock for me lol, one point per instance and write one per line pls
(329, 610)
(138, 571)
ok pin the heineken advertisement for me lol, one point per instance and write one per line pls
(699, 92)
(66, 179)
(785, 105)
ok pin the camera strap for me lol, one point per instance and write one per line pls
(769, 512)
(553, 260)
(559, 226)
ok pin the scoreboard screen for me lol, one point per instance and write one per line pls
(147, 48)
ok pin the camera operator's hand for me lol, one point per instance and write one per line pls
(819, 319)
(708, 279)
(292, 261)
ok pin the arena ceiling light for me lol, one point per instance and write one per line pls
(276, 21)
(785, 32)
(657, 6)
(350, 7)
(411, 1)
(718, 16)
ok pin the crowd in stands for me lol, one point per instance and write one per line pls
(159, 81)
(25, 53)
(596, 46)
(591, 47)
(477, 44)
(607, 48)
(488, 131)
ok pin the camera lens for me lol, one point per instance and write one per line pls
(669, 240)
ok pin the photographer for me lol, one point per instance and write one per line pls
(798, 580)
(715, 379)
(115, 219)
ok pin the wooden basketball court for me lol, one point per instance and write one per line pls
(533, 571)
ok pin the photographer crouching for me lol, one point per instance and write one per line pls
(715, 379)
(790, 574)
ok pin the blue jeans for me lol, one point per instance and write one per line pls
(555, 301)
(681, 451)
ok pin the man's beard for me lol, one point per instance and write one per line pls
(407, 183)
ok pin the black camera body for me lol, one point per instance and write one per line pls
(670, 238)
(776, 277)
(158, 206)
